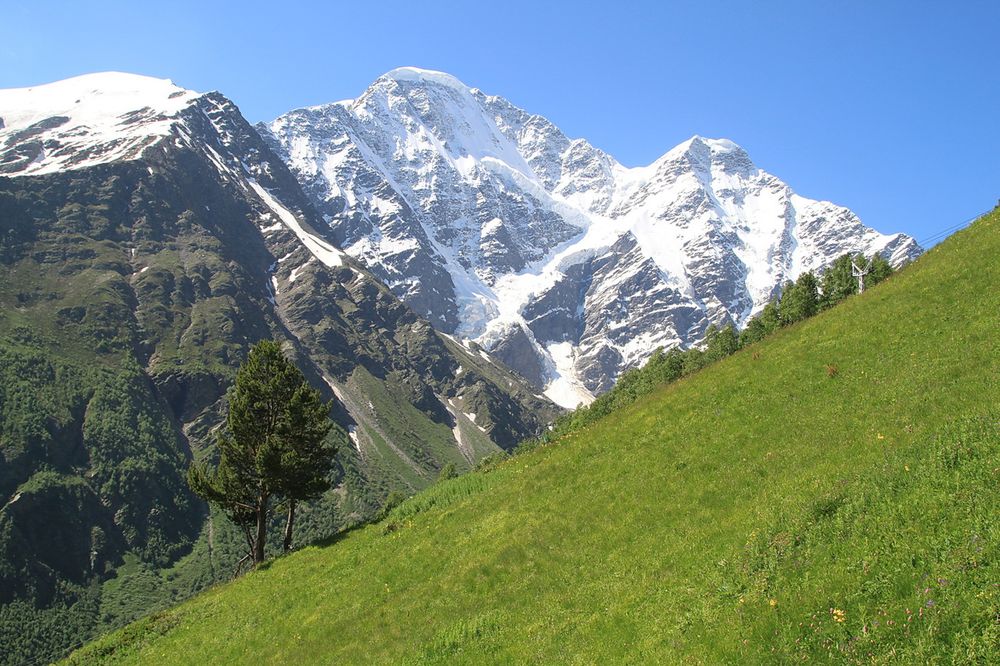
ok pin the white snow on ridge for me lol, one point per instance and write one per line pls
(417, 74)
(298, 269)
(472, 140)
(352, 432)
(90, 119)
(322, 250)
(464, 446)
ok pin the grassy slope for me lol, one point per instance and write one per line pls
(720, 519)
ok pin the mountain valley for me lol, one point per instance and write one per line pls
(450, 271)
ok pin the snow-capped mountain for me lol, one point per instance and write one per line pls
(110, 119)
(543, 249)
(85, 121)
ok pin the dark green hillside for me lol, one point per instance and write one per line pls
(830, 494)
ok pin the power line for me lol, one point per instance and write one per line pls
(943, 233)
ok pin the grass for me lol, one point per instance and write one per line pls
(761, 510)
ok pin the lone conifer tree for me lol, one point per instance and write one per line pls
(273, 449)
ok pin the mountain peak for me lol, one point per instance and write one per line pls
(109, 80)
(701, 143)
(720, 145)
(85, 120)
(544, 250)
(110, 91)
(418, 75)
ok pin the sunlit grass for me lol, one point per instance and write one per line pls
(763, 509)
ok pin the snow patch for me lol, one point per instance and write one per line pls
(352, 432)
(491, 227)
(295, 271)
(322, 250)
(464, 446)
(566, 390)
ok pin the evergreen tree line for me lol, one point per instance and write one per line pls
(796, 301)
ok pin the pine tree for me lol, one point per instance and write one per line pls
(720, 342)
(838, 282)
(273, 448)
(880, 270)
(449, 471)
(799, 300)
(306, 461)
(762, 325)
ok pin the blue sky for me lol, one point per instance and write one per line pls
(889, 108)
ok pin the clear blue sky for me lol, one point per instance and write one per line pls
(889, 108)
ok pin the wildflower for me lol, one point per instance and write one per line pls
(906, 467)
(881, 436)
(774, 603)
(838, 615)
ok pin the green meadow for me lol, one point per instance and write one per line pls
(829, 494)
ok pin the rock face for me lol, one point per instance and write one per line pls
(148, 237)
(498, 228)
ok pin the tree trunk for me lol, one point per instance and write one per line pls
(259, 541)
(239, 565)
(289, 523)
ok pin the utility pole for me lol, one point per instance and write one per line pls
(860, 273)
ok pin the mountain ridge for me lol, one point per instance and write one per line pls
(475, 211)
